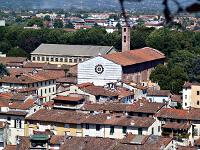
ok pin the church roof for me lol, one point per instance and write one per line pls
(72, 50)
(133, 57)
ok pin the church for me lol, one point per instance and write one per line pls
(129, 65)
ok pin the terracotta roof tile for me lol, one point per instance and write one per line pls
(145, 106)
(135, 56)
(88, 143)
(22, 105)
(158, 93)
(141, 106)
(59, 116)
(10, 147)
(56, 139)
(98, 91)
(68, 98)
(121, 120)
(24, 143)
(173, 113)
(175, 125)
(176, 98)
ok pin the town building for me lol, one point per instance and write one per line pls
(191, 95)
(134, 65)
(68, 54)
(159, 96)
(42, 82)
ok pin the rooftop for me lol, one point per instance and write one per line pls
(158, 93)
(71, 50)
(68, 98)
(59, 116)
(177, 126)
(141, 106)
(135, 56)
(173, 113)
(98, 90)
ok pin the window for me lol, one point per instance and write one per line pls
(75, 60)
(87, 126)
(198, 92)
(80, 59)
(52, 59)
(18, 123)
(38, 58)
(33, 58)
(158, 128)
(124, 129)
(139, 131)
(47, 58)
(66, 60)
(49, 90)
(185, 96)
(197, 102)
(98, 127)
(45, 91)
(125, 39)
(61, 59)
(124, 29)
(8, 118)
(56, 60)
(43, 59)
(152, 131)
(70, 60)
(185, 104)
(41, 92)
(112, 130)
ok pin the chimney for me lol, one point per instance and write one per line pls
(126, 38)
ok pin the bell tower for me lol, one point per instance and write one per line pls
(126, 38)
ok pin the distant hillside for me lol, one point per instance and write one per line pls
(146, 5)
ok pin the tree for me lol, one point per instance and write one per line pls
(5, 46)
(35, 21)
(47, 18)
(30, 39)
(139, 36)
(164, 40)
(17, 52)
(169, 78)
(3, 70)
(18, 19)
(69, 25)
(58, 23)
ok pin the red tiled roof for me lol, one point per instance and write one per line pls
(139, 106)
(175, 125)
(6, 60)
(23, 105)
(68, 98)
(83, 85)
(145, 106)
(30, 77)
(10, 147)
(135, 56)
(173, 113)
(98, 90)
(176, 98)
(56, 139)
(59, 116)
(158, 93)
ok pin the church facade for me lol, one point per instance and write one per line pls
(134, 66)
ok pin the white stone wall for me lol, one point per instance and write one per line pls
(187, 97)
(111, 72)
